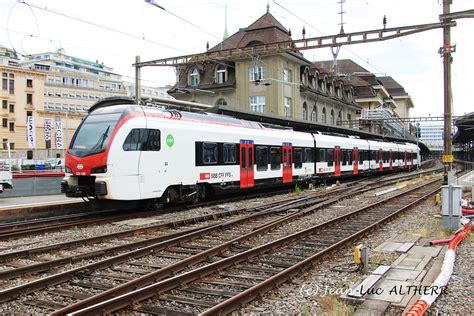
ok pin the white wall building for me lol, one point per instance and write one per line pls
(148, 93)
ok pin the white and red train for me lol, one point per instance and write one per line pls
(130, 152)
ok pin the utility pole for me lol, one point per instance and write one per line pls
(447, 59)
(137, 79)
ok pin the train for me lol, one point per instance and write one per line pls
(128, 152)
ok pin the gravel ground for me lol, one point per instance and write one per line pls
(292, 227)
(77, 233)
(318, 217)
(310, 292)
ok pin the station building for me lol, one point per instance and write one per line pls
(464, 139)
(281, 84)
(285, 84)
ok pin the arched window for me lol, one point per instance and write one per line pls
(221, 74)
(331, 119)
(339, 119)
(323, 116)
(331, 88)
(314, 114)
(194, 77)
(221, 102)
(349, 118)
(305, 111)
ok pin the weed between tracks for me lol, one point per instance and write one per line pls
(329, 305)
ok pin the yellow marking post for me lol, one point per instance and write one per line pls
(448, 158)
(358, 254)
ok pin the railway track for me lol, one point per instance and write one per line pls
(20, 229)
(195, 251)
(226, 283)
(164, 247)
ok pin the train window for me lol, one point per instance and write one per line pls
(298, 153)
(243, 159)
(229, 153)
(361, 156)
(209, 153)
(141, 139)
(330, 157)
(132, 140)
(275, 158)
(261, 158)
(322, 155)
(250, 158)
(153, 143)
(308, 155)
(349, 157)
(373, 155)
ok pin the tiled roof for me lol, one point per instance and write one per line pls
(393, 87)
(265, 30)
(266, 21)
(344, 66)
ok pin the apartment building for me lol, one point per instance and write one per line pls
(21, 95)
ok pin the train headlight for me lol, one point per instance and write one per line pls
(68, 170)
(101, 169)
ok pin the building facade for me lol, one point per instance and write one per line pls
(281, 84)
(148, 93)
(431, 134)
(22, 95)
(384, 102)
(56, 90)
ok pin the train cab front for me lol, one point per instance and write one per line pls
(87, 172)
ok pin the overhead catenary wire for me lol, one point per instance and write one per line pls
(322, 33)
(101, 26)
(55, 40)
(8, 24)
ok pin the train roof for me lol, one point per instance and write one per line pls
(119, 104)
(175, 109)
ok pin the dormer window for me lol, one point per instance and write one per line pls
(221, 74)
(331, 88)
(194, 77)
(322, 85)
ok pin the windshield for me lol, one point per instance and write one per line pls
(94, 134)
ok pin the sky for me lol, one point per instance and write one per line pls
(114, 32)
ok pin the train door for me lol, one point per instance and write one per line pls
(380, 160)
(390, 159)
(287, 160)
(153, 163)
(337, 161)
(405, 159)
(355, 160)
(246, 163)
